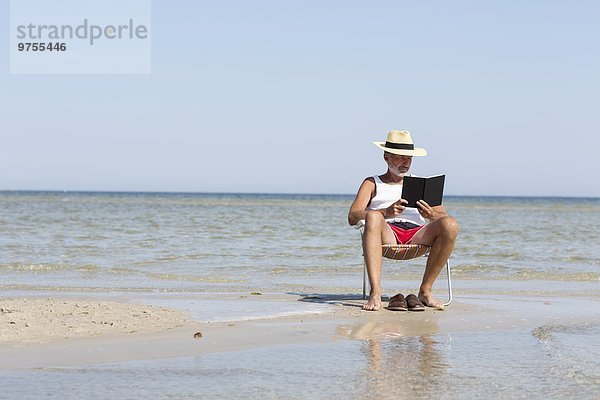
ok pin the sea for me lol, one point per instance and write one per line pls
(154, 245)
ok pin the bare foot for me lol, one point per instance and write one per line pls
(430, 301)
(374, 303)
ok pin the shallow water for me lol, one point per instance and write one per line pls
(491, 365)
(216, 242)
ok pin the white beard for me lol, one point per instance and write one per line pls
(396, 171)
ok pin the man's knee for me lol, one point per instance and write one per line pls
(374, 219)
(449, 226)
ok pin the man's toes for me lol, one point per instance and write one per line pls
(432, 303)
(371, 307)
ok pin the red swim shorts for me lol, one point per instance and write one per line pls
(403, 236)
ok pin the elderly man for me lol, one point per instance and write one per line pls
(388, 221)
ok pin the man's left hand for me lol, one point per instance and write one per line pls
(426, 210)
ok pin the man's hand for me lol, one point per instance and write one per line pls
(427, 211)
(395, 209)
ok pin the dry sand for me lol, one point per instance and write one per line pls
(44, 320)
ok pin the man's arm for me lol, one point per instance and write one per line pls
(358, 209)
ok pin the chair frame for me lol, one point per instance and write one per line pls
(403, 252)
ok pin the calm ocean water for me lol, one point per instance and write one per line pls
(174, 246)
(277, 243)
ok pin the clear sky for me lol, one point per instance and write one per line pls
(287, 96)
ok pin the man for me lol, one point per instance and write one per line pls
(388, 221)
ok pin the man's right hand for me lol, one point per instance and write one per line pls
(395, 209)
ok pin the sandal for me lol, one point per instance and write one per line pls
(414, 304)
(397, 303)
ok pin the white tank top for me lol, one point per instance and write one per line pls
(386, 195)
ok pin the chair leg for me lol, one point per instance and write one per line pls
(364, 268)
(449, 283)
(364, 281)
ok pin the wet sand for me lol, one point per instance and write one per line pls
(50, 332)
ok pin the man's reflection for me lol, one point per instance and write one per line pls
(403, 358)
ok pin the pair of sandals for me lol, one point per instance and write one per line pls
(410, 303)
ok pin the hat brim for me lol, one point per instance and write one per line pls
(416, 152)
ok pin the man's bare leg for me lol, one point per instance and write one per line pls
(375, 234)
(441, 236)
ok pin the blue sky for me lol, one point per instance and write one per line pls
(287, 96)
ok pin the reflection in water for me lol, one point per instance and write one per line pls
(404, 358)
(403, 366)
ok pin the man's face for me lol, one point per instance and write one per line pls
(398, 165)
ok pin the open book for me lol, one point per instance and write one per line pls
(430, 189)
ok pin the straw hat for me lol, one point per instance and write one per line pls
(400, 142)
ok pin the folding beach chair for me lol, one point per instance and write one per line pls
(402, 252)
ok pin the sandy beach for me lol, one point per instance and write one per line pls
(54, 332)
(33, 320)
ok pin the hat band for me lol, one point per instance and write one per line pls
(402, 146)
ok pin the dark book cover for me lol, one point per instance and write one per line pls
(430, 189)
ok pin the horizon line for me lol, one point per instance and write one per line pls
(133, 192)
